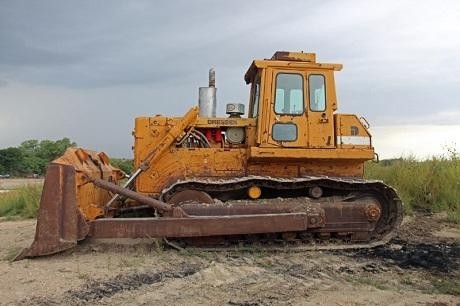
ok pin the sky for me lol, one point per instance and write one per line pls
(85, 69)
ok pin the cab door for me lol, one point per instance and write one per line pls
(287, 124)
(320, 109)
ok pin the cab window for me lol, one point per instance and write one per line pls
(255, 96)
(317, 92)
(284, 132)
(289, 94)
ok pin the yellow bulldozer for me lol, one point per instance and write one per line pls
(290, 172)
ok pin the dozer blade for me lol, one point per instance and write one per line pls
(60, 224)
(68, 200)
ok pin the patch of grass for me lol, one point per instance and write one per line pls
(409, 280)
(453, 217)
(430, 185)
(12, 253)
(447, 286)
(203, 254)
(23, 202)
(132, 261)
(370, 281)
(83, 276)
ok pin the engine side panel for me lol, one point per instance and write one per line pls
(224, 160)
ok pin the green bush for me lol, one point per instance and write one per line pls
(124, 164)
(23, 202)
(430, 185)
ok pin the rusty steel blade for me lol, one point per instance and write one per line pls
(60, 224)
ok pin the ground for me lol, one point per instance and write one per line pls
(420, 266)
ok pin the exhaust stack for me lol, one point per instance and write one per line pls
(207, 97)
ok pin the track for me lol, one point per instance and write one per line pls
(284, 191)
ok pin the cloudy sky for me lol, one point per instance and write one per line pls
(86, 69)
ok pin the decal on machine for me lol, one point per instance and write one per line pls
(354, 140)
(222, 122)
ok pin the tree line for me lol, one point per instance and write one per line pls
(31, 157)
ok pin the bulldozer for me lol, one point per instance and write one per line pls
(289, 172)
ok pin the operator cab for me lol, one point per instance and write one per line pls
(293, 98)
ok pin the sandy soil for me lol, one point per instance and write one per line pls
(419, 267)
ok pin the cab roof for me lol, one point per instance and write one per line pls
(286, 59)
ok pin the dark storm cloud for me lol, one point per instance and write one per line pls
(91, 44)
(90, 67)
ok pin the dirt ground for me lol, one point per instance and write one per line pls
(419, 267)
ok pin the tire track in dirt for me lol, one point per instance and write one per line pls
(95, 290)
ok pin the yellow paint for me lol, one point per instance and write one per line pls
(327, 143)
